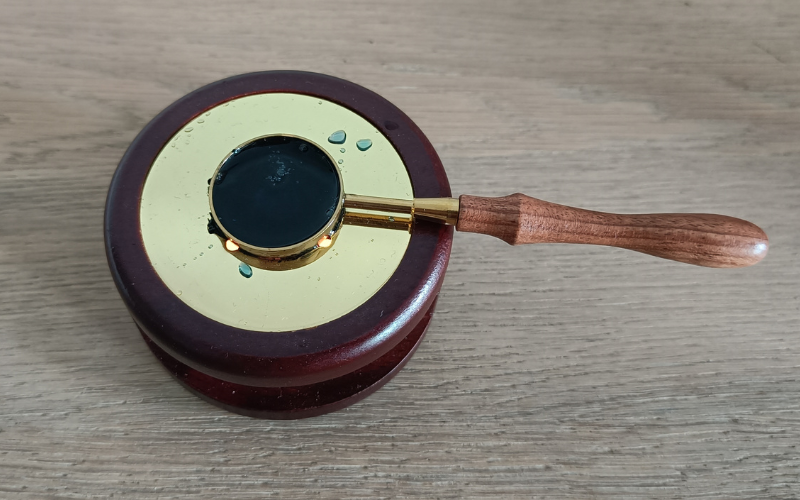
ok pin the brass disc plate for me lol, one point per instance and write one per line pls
(195, 266)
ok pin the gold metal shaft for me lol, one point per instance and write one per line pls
(443, 210)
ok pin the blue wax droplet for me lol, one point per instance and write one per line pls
(364, 144)
(245, 270)
(337, 137)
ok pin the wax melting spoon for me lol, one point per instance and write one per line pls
(280, 201)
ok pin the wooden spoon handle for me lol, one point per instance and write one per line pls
(700, 239)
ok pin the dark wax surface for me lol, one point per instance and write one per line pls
(275, 192)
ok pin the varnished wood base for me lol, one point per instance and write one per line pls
(286, 403)
(285, 374)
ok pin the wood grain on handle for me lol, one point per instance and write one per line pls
(700, 239)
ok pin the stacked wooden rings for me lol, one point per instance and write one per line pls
(275, 343)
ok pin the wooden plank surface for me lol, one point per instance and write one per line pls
(548, 371)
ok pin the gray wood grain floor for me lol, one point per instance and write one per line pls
(548, 371)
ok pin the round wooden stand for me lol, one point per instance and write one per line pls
(282, 374)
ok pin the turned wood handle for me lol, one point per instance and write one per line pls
(700, 239)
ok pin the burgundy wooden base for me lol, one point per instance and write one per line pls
(286, 403)
(292, 374)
